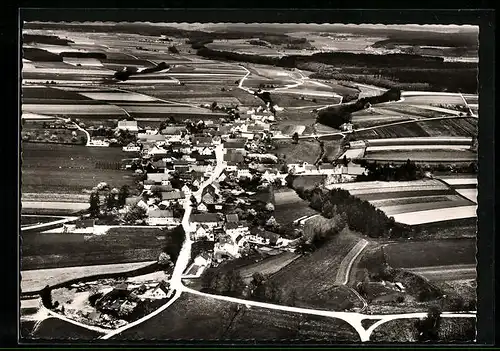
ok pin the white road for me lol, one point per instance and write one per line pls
(49, 224)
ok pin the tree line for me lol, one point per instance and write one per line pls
(360, 215)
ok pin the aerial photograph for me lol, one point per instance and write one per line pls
(248, 183)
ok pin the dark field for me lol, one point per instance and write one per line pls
(203, 318)
(463, 127)
(304, 151)
(191, 317)
(269, 325)
(312, 277)
(431, 253)
(53, 329)
(119, 245)
(33, 220)
(70, 168)
(285, 214)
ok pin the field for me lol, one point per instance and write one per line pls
(460, 127)
(118, 245)
(431, 253)
(191, 317)
(53, 329)
(70, 168)
(312, 277)
(268, 266)
(451, 330)
(414, 202)
(307, 182)
(35, 280)
(203, 318)
(305, 151)
(34, 220)
(290, 207)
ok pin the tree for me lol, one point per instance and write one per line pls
(165, 260)
(136, 213)
(46, 295)
(172, 49)
(428, 328)
(122, 195)
(214, 105)
(94, 204)
(295, 138)
(110, 201)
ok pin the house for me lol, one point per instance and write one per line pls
(353, 169)
(243, 172)
(235, 229)
(213, 188)
(172, 195)
(161, 188)
(161, 217)
(161, 291)
(81, 226)
(131, 126)
(203, 232)
(150, 138)
(208, 198)
(202, 207)
(180, 163)
(170, 131)
(232, 218)
(198, 168)
(211, 220)
(231, 166)
(157, 151)
(235, 157)
(235, 144)
(186, 190)
(159, 178)
(204, 259)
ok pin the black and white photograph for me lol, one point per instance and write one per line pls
(248, 183)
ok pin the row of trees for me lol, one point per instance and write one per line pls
(410, 170)
(260, 288)
(114, 199)
(360, 215)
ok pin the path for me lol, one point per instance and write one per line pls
(371, 128)
(346, 264)
(49, 224)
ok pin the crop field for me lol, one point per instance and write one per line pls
(304, 151)
(430, 155)
(413, 202)
(119, 245)
(268, 266)
(54, 329)
(269, 325)
(429, 253)
(423, 99)
(34, 220)
(404, 109)
(366, 122)
(191, 317)
(419, 141)
(69, 168)
(286, 214)
(286, 197)
(312, 278)
(460, 127)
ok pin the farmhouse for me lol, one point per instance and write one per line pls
(234, 157)
(172, 195)
(235, 229)
(203, 232)
(235, 144)
(244, 172)
(159, 178)
(161, 217)
(210, 220)
(203, 259)
(232, 218)
(131, 126)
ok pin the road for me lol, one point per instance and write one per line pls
(49, 224)
(185, 253)
(370, 128)
(345, 266)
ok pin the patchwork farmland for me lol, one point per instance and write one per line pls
(413, 202)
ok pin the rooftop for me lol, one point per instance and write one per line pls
(204, 218)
